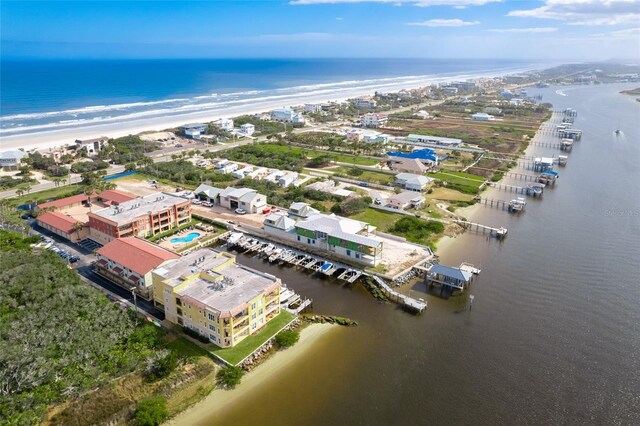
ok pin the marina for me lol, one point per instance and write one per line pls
(276, 253)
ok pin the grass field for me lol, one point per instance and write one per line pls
(459, 180)
(367, 176)
(447, 194)
(243, 349)
(42, 196)
(382, 220)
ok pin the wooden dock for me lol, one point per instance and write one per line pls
(524, 190)
(499, 233)
(408, 302)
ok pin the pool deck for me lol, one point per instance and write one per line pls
(177, 245)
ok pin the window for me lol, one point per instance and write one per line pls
(212, 327)
(348, 252)
(253, 326)
(308, 240)
(253, 306)
(211, 317)
(253, 316)
(357, 255)
(212, 337)
(260, 312)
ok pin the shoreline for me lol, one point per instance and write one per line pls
(203, 411)
(56, 137)
(446, 244)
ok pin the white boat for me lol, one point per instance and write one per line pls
(234, 238)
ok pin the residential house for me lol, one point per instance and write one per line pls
(10, 160)
(92, 146)
(481, 116)
(128, 262)
(241, 174)
(65, 226)
(140, 217)
(427, 156)
(413, 182)
(225, 124)
(287, 179)
(410, 165)
(406, 199)
(435, 140)
(247, 129)
(209, 293)
(278, 221)
(312, 108)
(334, 235)
(286, 115)
(301, 210)
(244, 198)
(373, 120)
(208, 193)
(450, 90)
(365, 102)
(193, 130)
(227, 168)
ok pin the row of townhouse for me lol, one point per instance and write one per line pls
(232, 198)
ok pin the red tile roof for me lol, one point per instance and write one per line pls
(59, 221)
(136, 254)
(64, 202)
(113, 196)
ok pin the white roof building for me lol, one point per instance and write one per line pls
(247, 129)
(225, 124)
(413, 182)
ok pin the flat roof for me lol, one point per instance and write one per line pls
(226, 290)
(132, 209)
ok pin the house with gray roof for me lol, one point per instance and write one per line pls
(243, 198)
(413, 182)
(208, 193)
(10, 160)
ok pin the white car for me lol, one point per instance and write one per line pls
(241, 211)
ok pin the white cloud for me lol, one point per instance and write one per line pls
(525, 30)
(585, 12)
(628, 33)
(338, 19)
(420, 3)
(444, 23)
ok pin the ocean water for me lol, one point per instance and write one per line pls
(40, 96)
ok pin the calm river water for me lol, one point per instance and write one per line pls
(554, 333)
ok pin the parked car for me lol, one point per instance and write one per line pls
(73, 259)
(377, 201)
(363, 184)
(196, 201)
(241, 211)
(207, 204)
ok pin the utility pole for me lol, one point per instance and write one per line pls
(135, 303)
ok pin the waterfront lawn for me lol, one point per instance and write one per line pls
(378, 218)
(464, 182)
(245, 348)
(447, 194)
(345, 158)
(185, 348)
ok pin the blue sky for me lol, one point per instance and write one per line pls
(542, 30)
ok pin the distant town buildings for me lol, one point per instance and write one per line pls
(247, 129)
(365, 102)
(481, 116)
(225, 124)
(193, 130)
(287, 115)
(10, 160)
(434, 140)
(209, 293)
(373, 120)
(92, 146)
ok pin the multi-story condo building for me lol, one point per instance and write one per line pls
(128, 262)
(140, 217)
(208, 292)
(373, 120)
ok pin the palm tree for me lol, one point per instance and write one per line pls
(27, 188)
(19, 192)
(77, 227)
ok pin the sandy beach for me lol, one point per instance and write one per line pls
(59, 134)
(220, 399)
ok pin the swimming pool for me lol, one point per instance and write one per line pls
(186, 239)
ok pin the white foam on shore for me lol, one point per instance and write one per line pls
(203, 108)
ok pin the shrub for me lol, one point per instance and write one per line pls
(355, 172)
(195, 335)
(230, 376)
(151, 411)
(287, 338)
(352, 206)
(161, 364)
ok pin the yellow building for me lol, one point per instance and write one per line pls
(208, 292)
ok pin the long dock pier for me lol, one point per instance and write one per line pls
(509, 206)
(499, 233)
(533, 189)
(417, 305)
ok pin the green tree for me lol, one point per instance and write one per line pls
(129, 167)
(152, 411)
(287, 338)
(230, 376)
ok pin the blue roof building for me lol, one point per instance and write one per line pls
(425, 154)
(453, 277)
